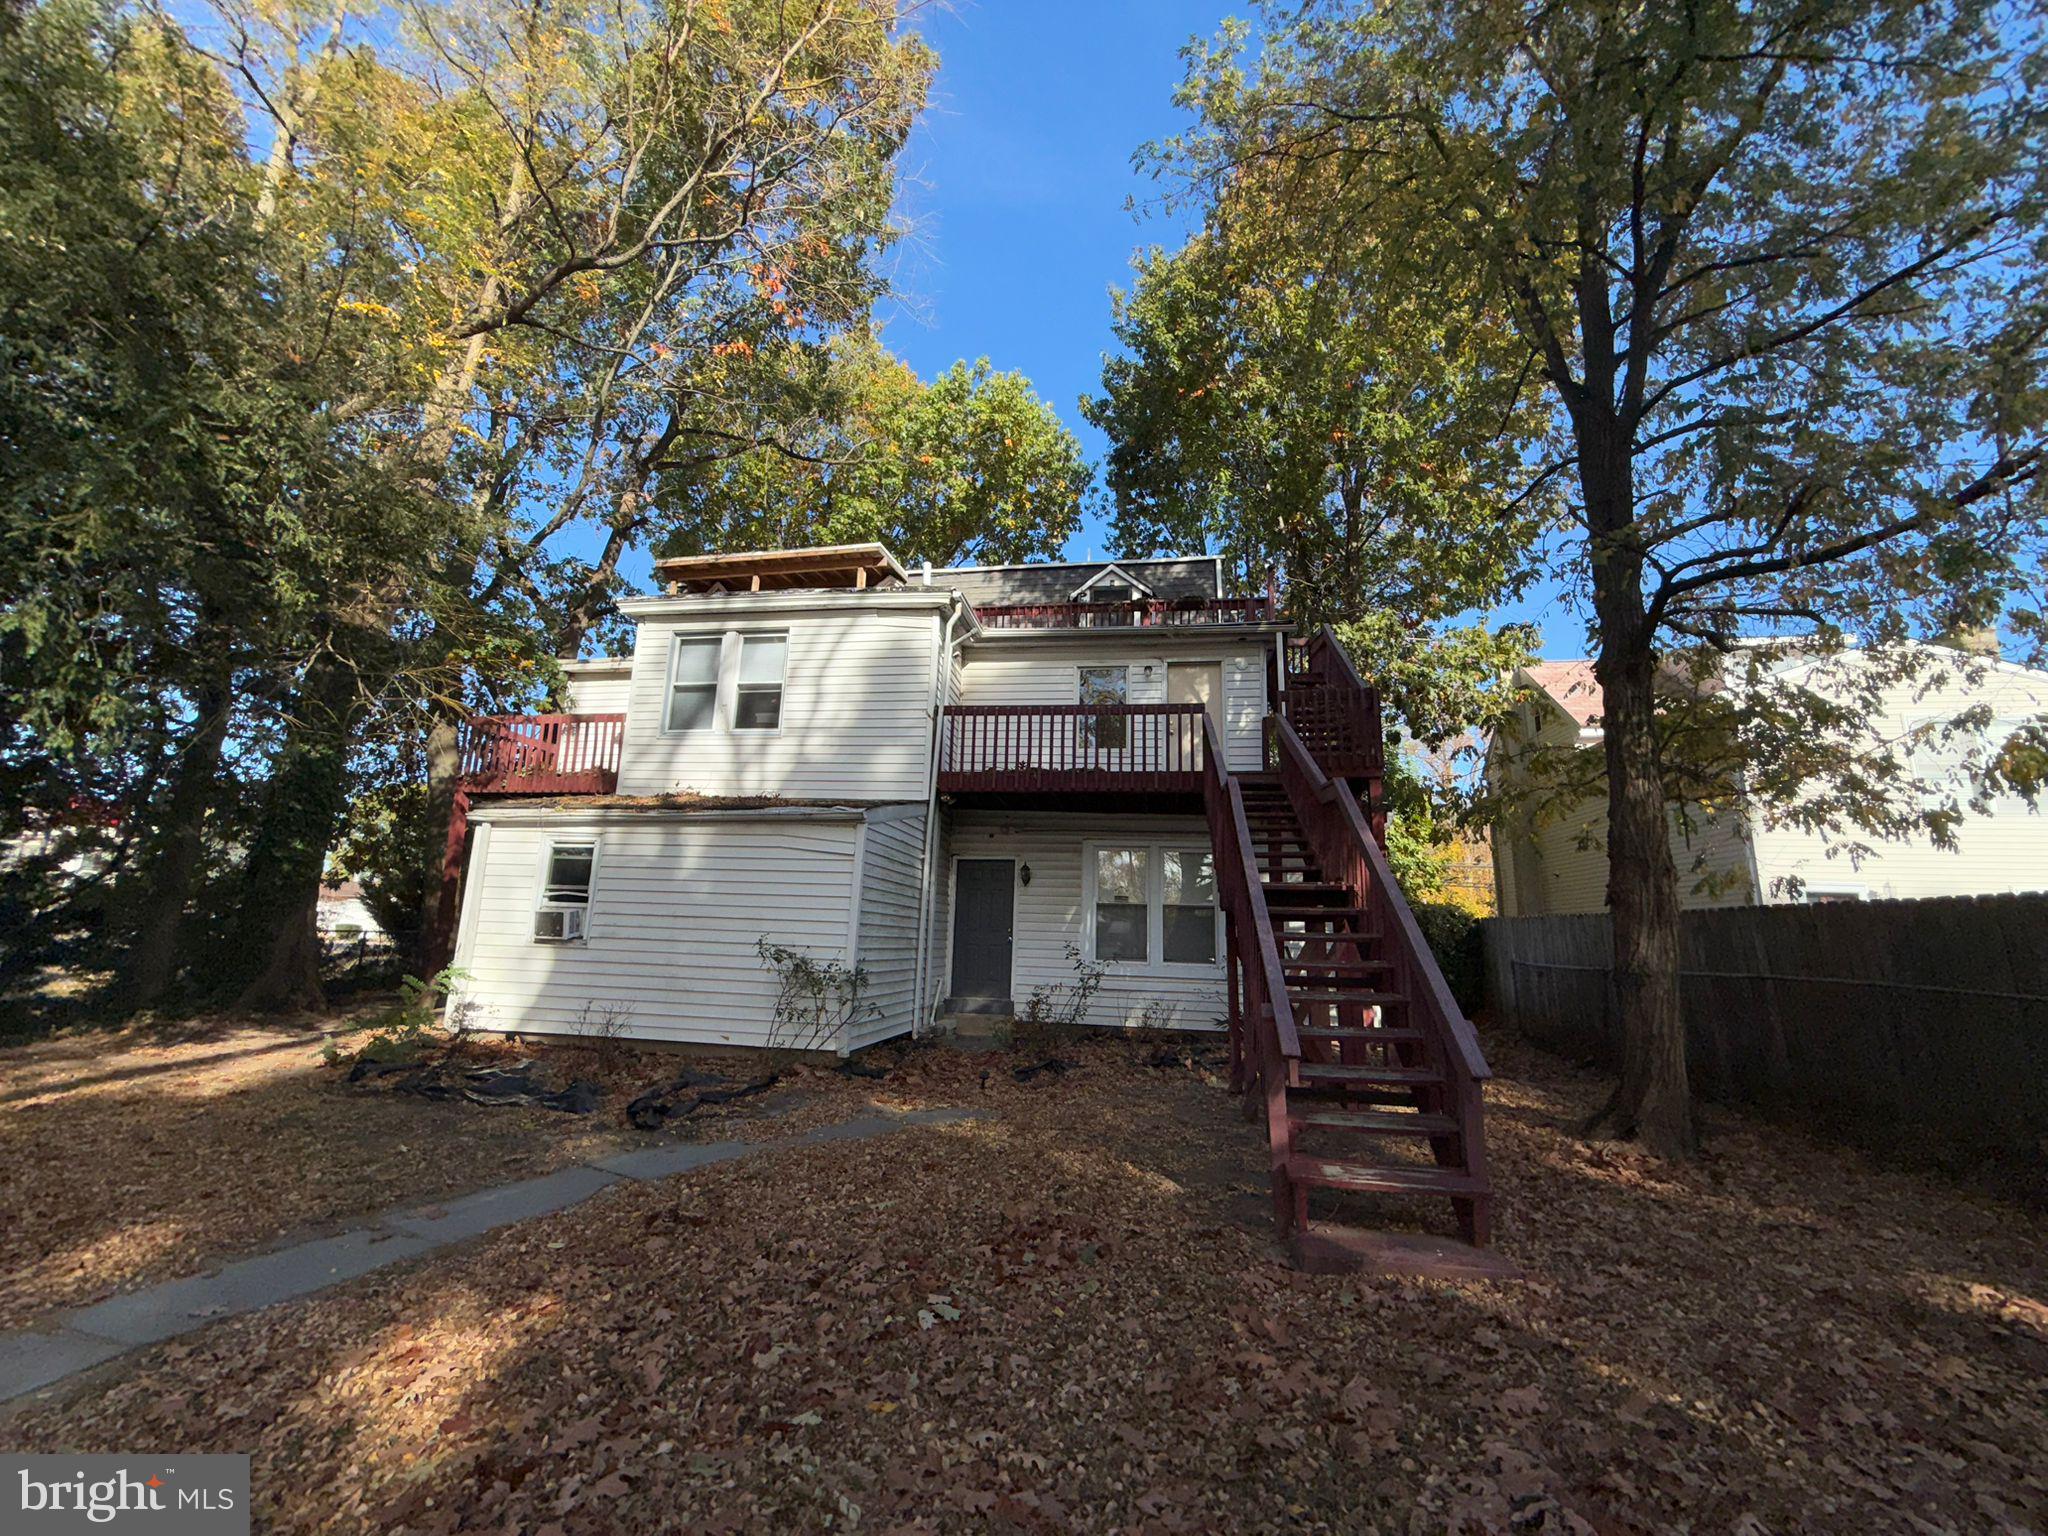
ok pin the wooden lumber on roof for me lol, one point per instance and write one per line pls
(858, 566)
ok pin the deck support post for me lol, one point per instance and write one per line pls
(1232, 963)
(440, 945)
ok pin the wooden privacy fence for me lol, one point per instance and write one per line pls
(1864, 1014)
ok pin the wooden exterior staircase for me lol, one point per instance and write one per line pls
(1342, 1028)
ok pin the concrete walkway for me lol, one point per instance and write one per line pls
(78, 1340)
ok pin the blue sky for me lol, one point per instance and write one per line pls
(1016, 185)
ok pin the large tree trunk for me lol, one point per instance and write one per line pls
(302, 813)
(1653, 1102)
(444, 767)
(153, 959)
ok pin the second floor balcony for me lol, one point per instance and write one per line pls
(542, 754)
(1023, 752)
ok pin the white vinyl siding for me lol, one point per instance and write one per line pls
(887, 947)
(676, 908)
(2004, 849)
(1041, 671)
(1050, 912)
(600, 693)
(1552, 859)
(854, 720)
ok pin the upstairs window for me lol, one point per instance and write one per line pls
(1105, 685)
(731, 681)
(757, 695)
(563, 912)
(693, 683)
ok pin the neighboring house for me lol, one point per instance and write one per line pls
(1551, 858)
(344, 917)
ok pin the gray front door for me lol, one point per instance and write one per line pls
(984, 912)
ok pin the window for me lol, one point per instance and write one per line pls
(1152, 905)
(1187, 906)
(1816, 894)
(757, 696)
(1111, 592)
(564, 907)
(693, 683)
(735, 678)
(1122, 904)
(1105, 685)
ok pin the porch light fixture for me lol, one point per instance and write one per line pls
(1024, 874)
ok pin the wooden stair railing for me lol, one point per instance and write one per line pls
(1389, 995)
(1337, 716)
(1264, 1045)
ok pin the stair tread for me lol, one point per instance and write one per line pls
(1350, 991)
(1398, 1077)
(1374, 1176)
(1373, 1122)
(1296, 966)
(1370, 1034)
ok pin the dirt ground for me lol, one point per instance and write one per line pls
(137, 1156)
(1069, 1316)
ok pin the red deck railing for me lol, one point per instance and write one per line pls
(542, 754)
(1331, 709)
(1072, 748)
(1144, 613)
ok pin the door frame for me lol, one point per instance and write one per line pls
(953, 913)
(1222, 666)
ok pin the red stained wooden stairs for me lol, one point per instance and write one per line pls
(1342, 1027)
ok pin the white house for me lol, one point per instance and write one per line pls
(782, 773)
(1552, 858)
(974, 786)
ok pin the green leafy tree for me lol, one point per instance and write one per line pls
(970, 466)
(1272, 398)
(1778, 270)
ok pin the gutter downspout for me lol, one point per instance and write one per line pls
(941, 673)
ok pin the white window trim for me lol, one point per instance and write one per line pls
(540, 901)
(725, 697)
(1155, 850)
(1080, 697)
(1122, 576)
(677, 641)
(736, 641)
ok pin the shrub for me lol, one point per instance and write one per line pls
(819, 999)
(411, 1028)
(1452, 932)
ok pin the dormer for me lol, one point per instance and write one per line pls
(1112, 584)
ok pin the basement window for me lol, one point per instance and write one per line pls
(562, 914)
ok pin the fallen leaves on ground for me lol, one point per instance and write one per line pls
(1070, 1315)
(138, 1155)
